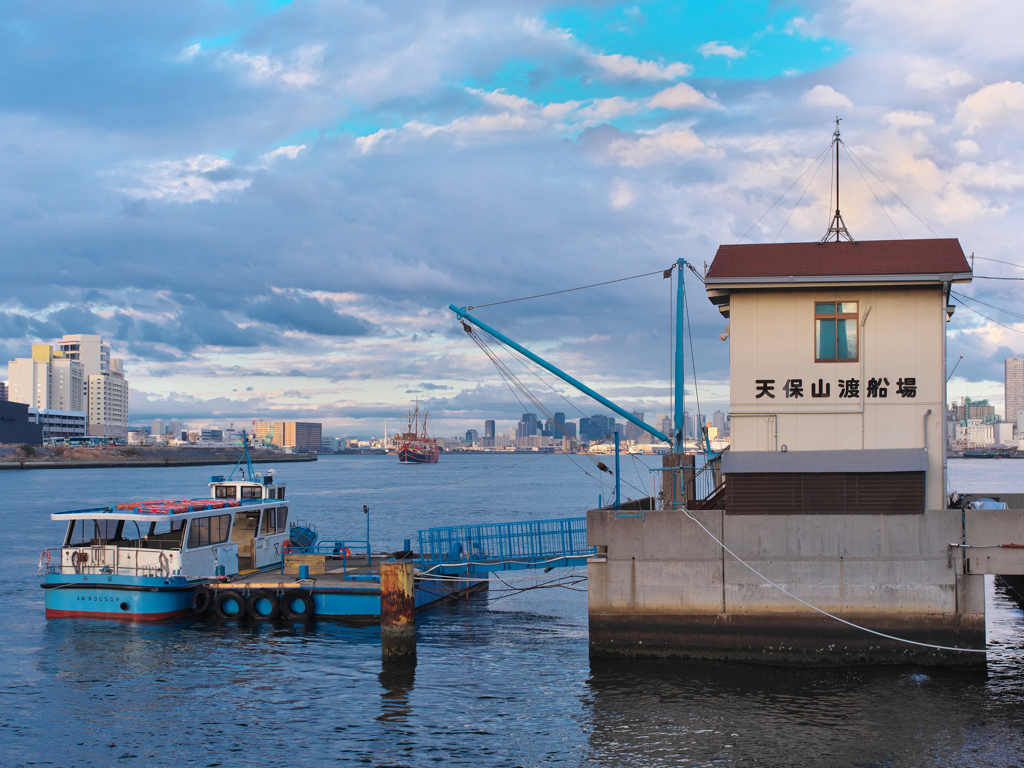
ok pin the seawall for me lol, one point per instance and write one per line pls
(661, 586)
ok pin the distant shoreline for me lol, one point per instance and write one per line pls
(123, 464)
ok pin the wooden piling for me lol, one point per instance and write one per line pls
(678, 484)
(397, 610)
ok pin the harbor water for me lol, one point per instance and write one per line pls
(502, 679)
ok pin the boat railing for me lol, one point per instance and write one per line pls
(104, 560)
(527, 543)
(708, 479)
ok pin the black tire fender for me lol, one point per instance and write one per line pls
(251, 605)
(202, 600)
(293, 596)
(223, 595)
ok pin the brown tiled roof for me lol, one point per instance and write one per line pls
(870, 257)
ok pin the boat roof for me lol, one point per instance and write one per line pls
(152, 511)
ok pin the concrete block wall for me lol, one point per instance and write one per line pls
(662, 586)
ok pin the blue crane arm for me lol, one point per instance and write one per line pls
(560, 374)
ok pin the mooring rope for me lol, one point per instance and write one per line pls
(826, 613)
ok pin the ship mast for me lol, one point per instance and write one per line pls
(837, 226)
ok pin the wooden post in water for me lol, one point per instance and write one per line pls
(397, 610)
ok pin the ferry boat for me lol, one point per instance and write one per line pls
(145, 560)
(414, 445)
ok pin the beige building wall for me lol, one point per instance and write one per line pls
(1013, 387)
(108, 405)
(67, 385)
(901, 335)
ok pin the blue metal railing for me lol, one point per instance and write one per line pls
(528, 544)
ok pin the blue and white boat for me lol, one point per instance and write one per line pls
(144, 560)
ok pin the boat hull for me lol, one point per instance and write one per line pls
(117, 598)
(408, 454)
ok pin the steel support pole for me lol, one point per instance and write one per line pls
(677, 440)
(397, 610)
(618, 487)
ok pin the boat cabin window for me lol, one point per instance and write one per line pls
(246, 525)
(252, 492)
(166, 534)
(208, 530)
(92, 533)
(274, 520)
(225, 491)
(280, 491)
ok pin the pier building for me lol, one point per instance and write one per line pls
(833, 488)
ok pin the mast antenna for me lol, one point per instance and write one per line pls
(838, 226)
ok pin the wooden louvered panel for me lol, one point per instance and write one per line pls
(825, 493)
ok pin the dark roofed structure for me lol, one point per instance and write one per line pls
(939, 260)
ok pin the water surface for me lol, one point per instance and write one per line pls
(503, 679)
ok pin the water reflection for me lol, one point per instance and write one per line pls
(397, 677)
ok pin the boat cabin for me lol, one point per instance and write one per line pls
(243, 526)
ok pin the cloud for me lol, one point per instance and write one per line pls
(682, 96)
(432, 387)
(825, 96)
(809, 29)
(967, 148)
(642, 150)
(306, 315)
(506, 112)
(936, 80)
(905, 118)
(630, 67)
(189, 52)
(1000, 105)
(290, 151)
(300, 69)
(201, 177)
(621, 194)
(715, 48)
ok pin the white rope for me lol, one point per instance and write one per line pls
(826, 613)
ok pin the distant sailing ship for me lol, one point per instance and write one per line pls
(414, 446)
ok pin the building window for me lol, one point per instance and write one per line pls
(835, 332)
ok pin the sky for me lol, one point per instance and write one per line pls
(266, 207)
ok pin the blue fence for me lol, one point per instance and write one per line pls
(505, 546)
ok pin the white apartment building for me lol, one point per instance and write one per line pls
(47, 380)
(108, 403)
(975, 434)
(106, 387)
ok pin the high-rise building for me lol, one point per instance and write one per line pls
(106, 390)
(157, 427)
(631, 431)
(3, 391)
(302, 435)
(527, 425)
(47, 380)
(175, 428)
(472, 436)
(489, 428)
(1013, 382)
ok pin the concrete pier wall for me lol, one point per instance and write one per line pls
(663, 587)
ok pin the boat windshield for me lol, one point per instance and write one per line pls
(163, 534)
